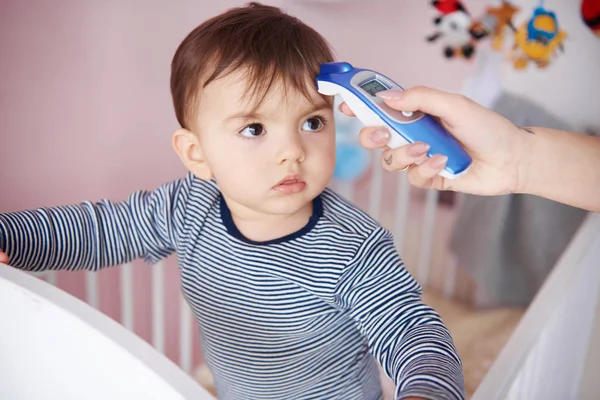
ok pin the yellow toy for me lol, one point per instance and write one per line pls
(537, 40)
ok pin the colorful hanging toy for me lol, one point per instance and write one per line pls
(590, 13)
(496, 20)
(456, 28)
(537, 40)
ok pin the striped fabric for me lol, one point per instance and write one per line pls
(307, 316)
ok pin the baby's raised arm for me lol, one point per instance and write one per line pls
(93, 235)
(406, 336)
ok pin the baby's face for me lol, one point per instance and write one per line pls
(274, 161)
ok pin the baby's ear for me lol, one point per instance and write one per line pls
(187, 146)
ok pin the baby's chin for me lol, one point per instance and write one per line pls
(289, 204)
(277, 202)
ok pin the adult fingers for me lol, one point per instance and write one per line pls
(374, 137)
(447, 106)
(343, 107)
(400, 158)
(426, 174)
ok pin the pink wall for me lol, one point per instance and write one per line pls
(85, 110)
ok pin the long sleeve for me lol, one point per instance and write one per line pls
(94, 235)
(407, 337)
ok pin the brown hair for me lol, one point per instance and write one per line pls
(270, 44)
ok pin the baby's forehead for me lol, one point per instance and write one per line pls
(249, 91)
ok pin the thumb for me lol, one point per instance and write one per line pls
(3, 257)
(431, 101)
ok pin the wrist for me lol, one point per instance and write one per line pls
(526, 161)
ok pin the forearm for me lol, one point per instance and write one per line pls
(406, 336)
(89, 235)
(412, 344)
(564, 167)
(69, 237)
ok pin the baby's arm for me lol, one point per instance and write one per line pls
(93, 235)
(406, 336)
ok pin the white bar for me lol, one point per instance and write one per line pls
(185, 336)
(48, 276)
(51, 278)
(451, 273)
(451, 266)
(158, 322)
(91, 285)
(427, 235)
(127, 296)
(402, 202)
(346, 190)
(376, 186)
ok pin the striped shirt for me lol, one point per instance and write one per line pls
(307, 316)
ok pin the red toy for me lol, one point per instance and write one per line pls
(590, 13)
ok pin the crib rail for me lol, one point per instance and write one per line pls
(545, 356)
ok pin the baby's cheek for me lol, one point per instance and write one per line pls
(326, 163)
(330, 154)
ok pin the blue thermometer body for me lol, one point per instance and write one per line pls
(358, 87)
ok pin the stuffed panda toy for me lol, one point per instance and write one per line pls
(456, 28)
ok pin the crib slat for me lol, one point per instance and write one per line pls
(185, 336)
(402, 202)
(427, 237)
(376, 186)
(51, 277)
(127, 296)
(346, 190)
(91, 286)
(158, 324)
(450, 275)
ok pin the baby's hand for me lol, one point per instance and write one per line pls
(3, 257)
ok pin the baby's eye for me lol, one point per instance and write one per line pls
(253, 130)
(313, 124)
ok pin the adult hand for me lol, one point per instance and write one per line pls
(498, 147)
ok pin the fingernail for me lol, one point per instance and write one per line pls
(418, 149)
(389, 94)
(380, 136)
(439, 162)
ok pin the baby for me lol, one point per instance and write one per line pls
(298, 294)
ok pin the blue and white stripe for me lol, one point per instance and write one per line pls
(305, 317)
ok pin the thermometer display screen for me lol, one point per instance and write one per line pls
(373, 86)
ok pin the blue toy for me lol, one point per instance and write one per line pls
(352, 162)
(352, 159)
(542, 32)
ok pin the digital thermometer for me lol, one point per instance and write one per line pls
(358, 87)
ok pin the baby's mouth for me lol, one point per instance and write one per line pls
(290, 184)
